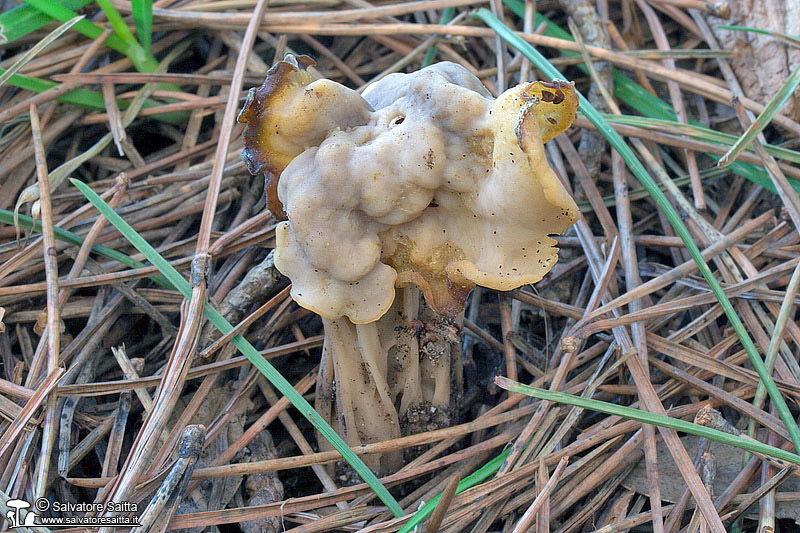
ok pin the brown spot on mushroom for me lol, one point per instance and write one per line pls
(556, 97)
(430, 158)
(554, 104)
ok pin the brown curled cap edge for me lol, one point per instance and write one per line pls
(262, 154)
(291, 112)
(425, 180)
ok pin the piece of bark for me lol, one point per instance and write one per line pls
(760, 62)
(262, 489)
(260, 283)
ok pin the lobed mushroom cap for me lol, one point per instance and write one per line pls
(424, 180)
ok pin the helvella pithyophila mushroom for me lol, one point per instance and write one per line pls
(397, 203)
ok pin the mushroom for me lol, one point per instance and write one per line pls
(424, 184)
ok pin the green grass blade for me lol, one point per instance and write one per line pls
(143, 62)
(636, 167)
(702, 133)
(637, 194)
(24, 19)
(788, 38)
(244, 346)
(763, 119)
(78, 97)
(775, 342)
(757, 175)
(470, 481)
(37, 48)
(122, 40)
(87, 28)
(88, 99)
(649, 418)
(7, 217)
(143, 18)
(117, 23)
